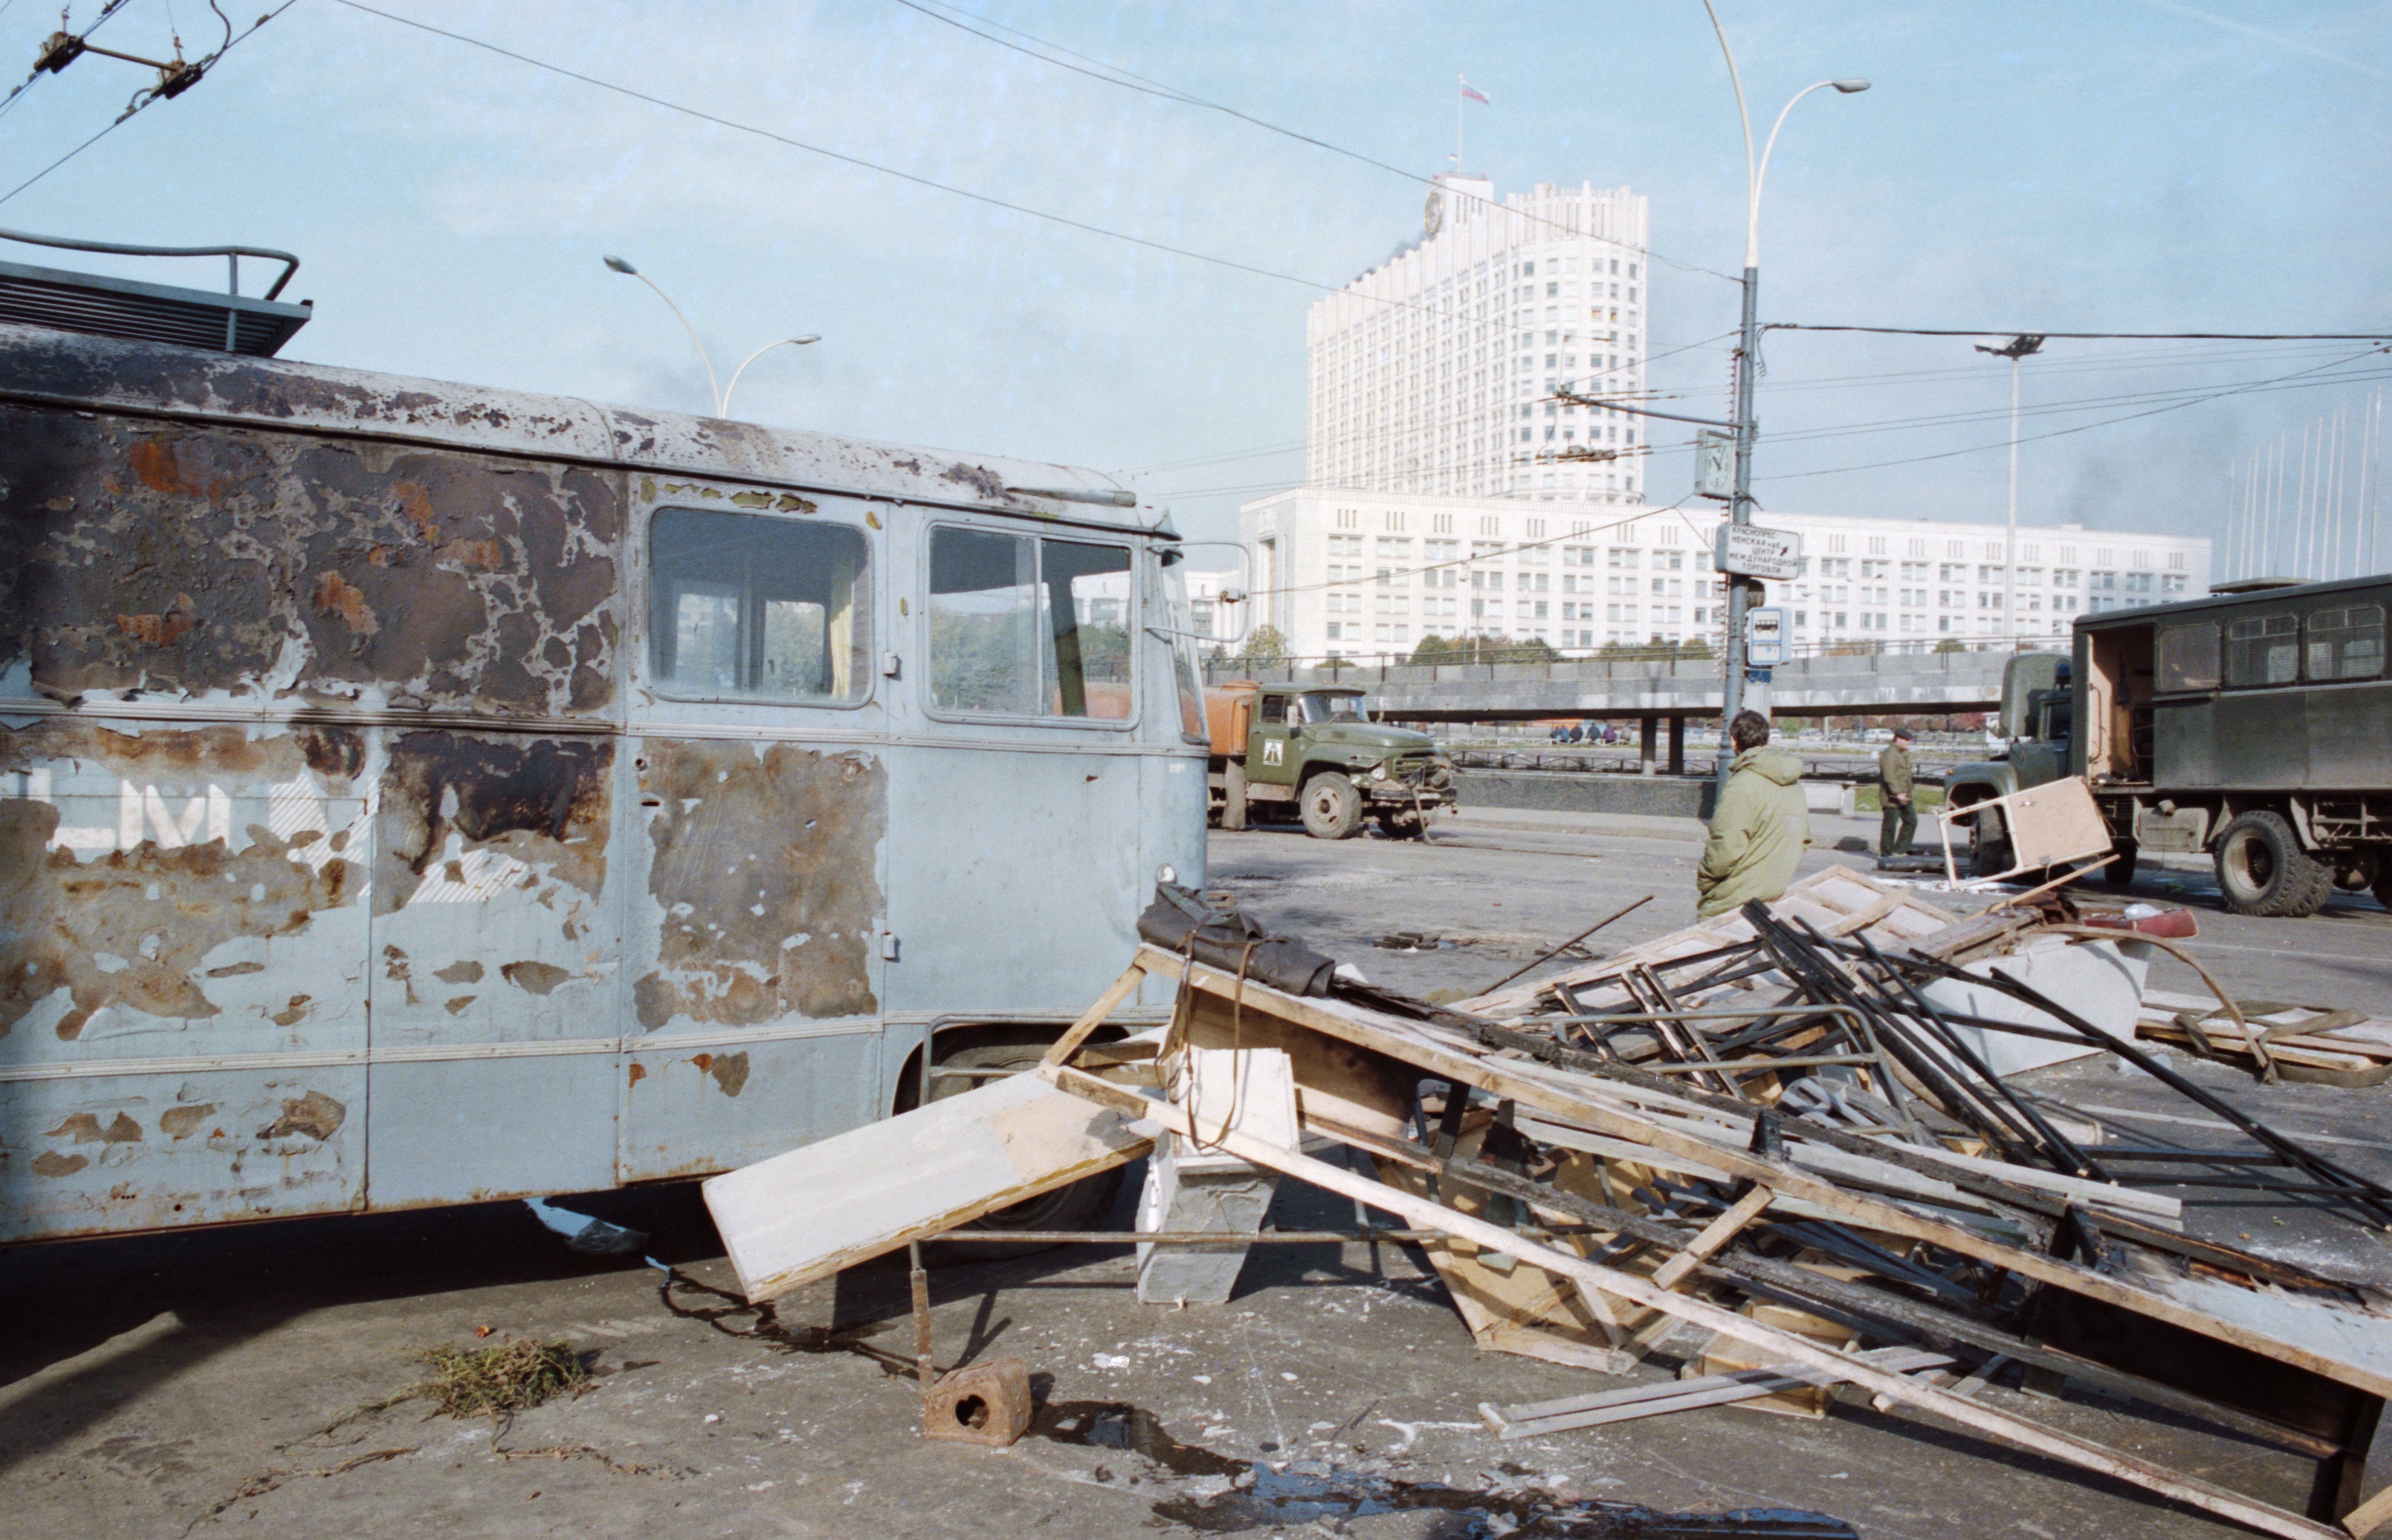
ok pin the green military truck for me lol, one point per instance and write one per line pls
(1309, 751)
(2251, 727)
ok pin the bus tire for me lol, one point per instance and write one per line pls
(2120, 873)
(2384, 879)
(1333, 809)
(2262, 870)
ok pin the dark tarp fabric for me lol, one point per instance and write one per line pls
(1178, 921)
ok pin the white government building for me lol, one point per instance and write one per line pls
(1353, 574)
(1431, 372)
(1437, 501)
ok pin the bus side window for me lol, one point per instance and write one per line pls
(744, 606)
(2346, 644)
(1022, 626)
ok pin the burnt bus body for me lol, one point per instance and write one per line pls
(414, 794)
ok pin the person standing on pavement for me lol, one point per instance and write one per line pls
(1761, 826)
(1898, 822)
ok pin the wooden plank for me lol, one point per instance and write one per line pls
(1094, 1017)
(1520, 1081)
(1533, 1419)
(2371, 1515)
(806, 1214)
(1428, 1215)
(1715, 1234)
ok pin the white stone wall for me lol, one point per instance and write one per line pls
(1364, 574)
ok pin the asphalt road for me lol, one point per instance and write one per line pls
(190, 1384)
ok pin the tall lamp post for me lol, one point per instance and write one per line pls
(1740, 589)
(2017, 349)
(721, 391)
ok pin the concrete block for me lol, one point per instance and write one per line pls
(1189, 1187)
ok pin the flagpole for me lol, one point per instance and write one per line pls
(1463, 83)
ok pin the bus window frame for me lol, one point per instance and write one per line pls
(644, 564)
(1139, 551)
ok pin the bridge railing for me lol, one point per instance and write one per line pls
(1659, 660)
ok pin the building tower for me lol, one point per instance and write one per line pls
(1432, 371)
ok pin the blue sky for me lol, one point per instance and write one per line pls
(2096, 165)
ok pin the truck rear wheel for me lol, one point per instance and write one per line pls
(1333, 809)
(2120, 873)
(2263, 871)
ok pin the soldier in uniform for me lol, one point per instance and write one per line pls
(1899, 821)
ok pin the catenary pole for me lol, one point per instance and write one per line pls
(1747, 356)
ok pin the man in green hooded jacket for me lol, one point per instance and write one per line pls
(1761, 826)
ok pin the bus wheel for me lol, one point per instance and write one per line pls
(2263, 871)
(1084, 1205)
(1333, 809)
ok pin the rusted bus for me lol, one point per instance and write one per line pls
(411, 794)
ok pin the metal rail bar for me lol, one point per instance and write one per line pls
(114, 248)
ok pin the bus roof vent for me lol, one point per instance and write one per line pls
(2256, 585)
(226, 322)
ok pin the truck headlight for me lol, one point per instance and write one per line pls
(1379, 771)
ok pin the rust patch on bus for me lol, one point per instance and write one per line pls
(183, 559)
(765, 868)
(84, 1127)
(538, 977)
(314, 1115)
(182, 1122)
(543, 803)
(131, 928)
(50, 1163)
(730, 1072)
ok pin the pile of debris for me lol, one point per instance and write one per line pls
(1787, 1137)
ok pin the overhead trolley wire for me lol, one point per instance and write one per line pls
(140, 103)
(2252, 388)
(1111, 74)
(2088, 336)
(861, 163)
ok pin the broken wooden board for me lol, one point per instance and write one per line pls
(1536, 1418)
(1785, 1346)
(2237, 1317)
(1838, 900)
(1509, 1308)
(830, 1205)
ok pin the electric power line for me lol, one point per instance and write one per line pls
(861, 163)
(141, 102)
(2083, 427)
(1111, 74)
(2092, 337)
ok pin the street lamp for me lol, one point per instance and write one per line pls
(1740, 589)
(2019, 348)
(723, 409)
(722, 392)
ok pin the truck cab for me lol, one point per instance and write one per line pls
(1312, 750)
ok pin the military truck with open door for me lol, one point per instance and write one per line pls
(2251, 727)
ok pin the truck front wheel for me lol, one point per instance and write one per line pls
(2263, 871)
(1333, 809)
